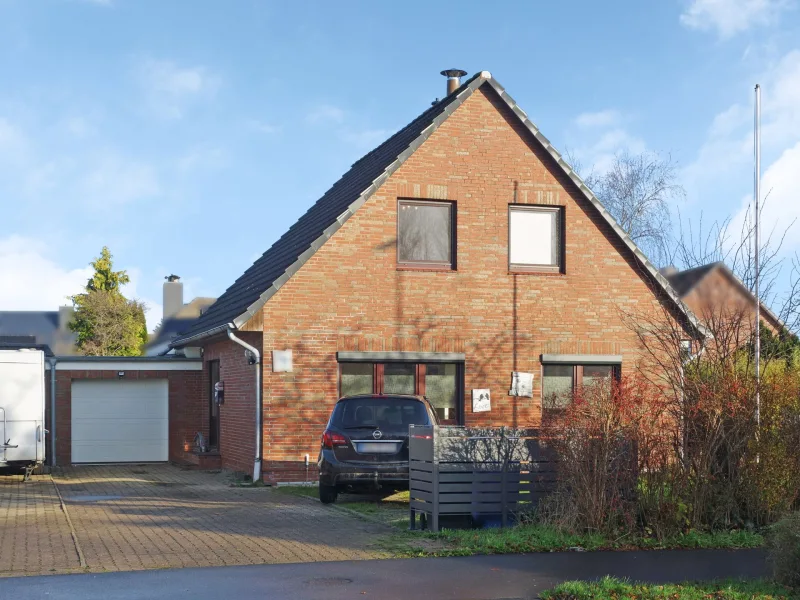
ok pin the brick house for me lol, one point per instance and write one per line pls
(720, 301)
(461, 250)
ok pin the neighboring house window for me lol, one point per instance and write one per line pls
(559, 381)
(535, 238)
(440, 383)
(425, 233)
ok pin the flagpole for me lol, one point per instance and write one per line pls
(757, 194)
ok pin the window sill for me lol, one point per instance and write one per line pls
(536, 272)
(432, 268)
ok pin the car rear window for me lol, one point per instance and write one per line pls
(386, 414)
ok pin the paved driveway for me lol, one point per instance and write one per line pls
(120, 518)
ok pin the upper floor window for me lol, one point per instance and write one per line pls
(535, 239)
(425, 233)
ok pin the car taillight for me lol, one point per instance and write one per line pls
(331, 439)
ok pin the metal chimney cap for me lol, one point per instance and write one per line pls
(454, 73)
(172, 277)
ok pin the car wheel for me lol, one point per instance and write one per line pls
(327, 494)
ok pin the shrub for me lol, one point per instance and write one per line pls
(595, 439)
(784, 550)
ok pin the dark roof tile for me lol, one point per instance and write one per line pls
(283, 253)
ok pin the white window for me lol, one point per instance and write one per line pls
(534, 238)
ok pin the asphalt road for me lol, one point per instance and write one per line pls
(468, 578)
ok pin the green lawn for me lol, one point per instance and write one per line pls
(609, 588)
(542, 538)
(393, 510)
(310, 491)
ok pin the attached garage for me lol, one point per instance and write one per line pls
(118, 420)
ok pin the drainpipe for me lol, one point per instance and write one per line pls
(53, 362)
(259, 401)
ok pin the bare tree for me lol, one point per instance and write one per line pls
(638, 189)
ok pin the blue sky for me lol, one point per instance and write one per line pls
(188, 136)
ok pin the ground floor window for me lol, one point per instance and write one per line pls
(559, 381)
(440, 383)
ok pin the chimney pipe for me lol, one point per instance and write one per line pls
(453, 79)
(173, 295)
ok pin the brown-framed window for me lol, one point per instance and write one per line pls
(426, 233)
(536, 238)
(559, 381)
(441, 383)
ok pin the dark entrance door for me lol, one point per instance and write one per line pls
(213, 407)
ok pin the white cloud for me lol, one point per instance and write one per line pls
(720, 180)
(781, 202)
(31, 280)
(326, 114)
(367, 138)
(729, 17)
(170, 88)
(14, 144)
(202, 157)
(114, 181)
(262, 127)
(596, 137)
(78, 127)
(728, 148)
(602, 118)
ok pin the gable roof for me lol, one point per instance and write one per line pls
(171, 327)
(263, 279)
(44, 326)
(686, 281)
(23, 342)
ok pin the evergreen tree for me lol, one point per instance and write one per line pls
(107, 323)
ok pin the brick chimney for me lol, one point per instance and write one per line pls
(173, 296)
(65, 314)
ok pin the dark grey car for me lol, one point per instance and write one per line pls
(365, 445)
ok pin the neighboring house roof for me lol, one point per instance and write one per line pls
(23, 342)
(686, 281)
(43, 326)
(171, 327)
(250, 292)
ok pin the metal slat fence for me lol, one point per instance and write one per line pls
(476, 472)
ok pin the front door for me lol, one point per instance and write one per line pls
(213, 407)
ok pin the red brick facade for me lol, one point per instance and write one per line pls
(352, 296)
(237, 413)
(188, 406)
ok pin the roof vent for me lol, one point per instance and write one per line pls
(453, 79)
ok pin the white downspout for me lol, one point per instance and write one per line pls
(259, 402)
(53, 362)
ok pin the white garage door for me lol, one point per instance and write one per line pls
(119, 421)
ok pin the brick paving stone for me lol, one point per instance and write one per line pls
(132, 517)
(34, 533)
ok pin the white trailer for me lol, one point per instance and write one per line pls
(22, 408)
